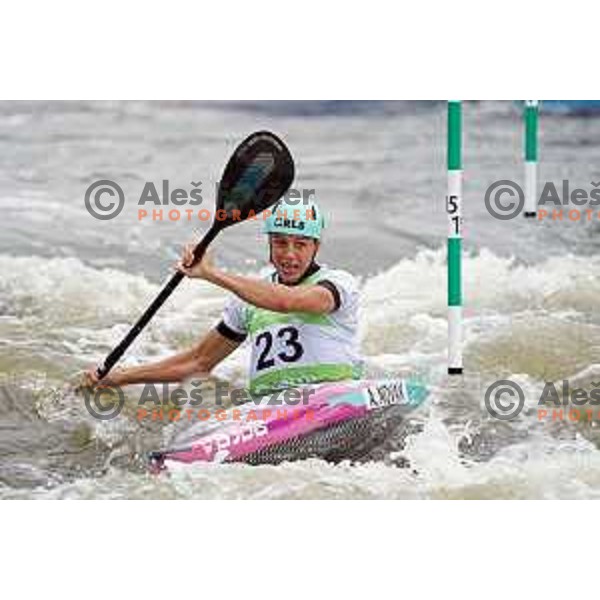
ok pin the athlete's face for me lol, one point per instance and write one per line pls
(291, 255)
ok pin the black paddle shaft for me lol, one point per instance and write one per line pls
(112, 359)
(258, 173)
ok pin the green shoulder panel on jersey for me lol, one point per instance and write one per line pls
(258, 318)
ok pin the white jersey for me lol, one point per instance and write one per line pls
(291, 349)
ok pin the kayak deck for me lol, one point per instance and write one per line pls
(338, 421)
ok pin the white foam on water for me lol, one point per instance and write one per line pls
(404, 305)
(564, 470)
(90, 309)
(519, 320)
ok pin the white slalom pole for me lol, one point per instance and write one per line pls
(454, 210)
(530, 117)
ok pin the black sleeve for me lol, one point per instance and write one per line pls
(328, 285)
(229, 333)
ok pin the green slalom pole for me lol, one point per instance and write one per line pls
(530, 117)
(454, 210)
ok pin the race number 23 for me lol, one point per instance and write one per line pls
(293, 349)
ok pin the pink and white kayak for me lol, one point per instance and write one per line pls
(334, 421)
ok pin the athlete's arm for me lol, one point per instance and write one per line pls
(317, 299)
(198, 360)
(274, 296)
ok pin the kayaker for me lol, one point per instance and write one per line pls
(301, 318)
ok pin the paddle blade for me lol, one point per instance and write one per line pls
(258, 174)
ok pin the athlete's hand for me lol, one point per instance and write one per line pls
(89, 379)
(200, 270)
